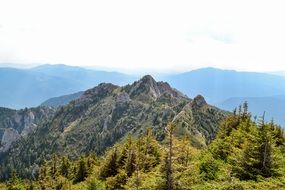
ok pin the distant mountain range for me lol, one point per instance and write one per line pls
(219, 85)
(272, 106)
(61, 100)
(31, 87)
(264, 92)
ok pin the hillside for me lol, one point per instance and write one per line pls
(61, 100)
(245, 155)
(15, 124)
(106, 114)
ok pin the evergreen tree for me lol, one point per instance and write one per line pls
(15, 183)
(117, 182)
(150, 156)
(110, 166)
(266, 146)
(54, 167)
(130, 162)
(82, 173)
(169, 158)
(65, 167)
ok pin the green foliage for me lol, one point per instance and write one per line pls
(82, 172)
(244, 155)
(15, 183)
(208, 167)
(95, 184)
(110, 166)
(117, 182)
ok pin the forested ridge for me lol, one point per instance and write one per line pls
(247, 153)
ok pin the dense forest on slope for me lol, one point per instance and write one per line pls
(246, 154)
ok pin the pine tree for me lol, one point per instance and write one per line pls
(110, 166)
(15, 183)
(150, 151)
(65, 167)
(117, 182)
(43, 171)
(183, 152)
(54, 169)
(81, 171)
(138, 162)
(169, 159)
(256, 151)
(31, 186)
(266, 146)
(130, 162)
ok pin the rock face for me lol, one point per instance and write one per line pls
(199, 101)
(107, 113)
(8, 137)
(200, 121)
(15, 124)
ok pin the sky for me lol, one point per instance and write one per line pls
(149, 35)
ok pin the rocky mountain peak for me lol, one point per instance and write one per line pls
(148, 79)
(146, 85)
(199, 101)
(101, 90)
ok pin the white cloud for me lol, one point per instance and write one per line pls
(145, 35)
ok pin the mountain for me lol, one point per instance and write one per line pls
(30, 87)
(57, 85)
(271, 105)
(15, 124)
(61, 100)
(218, 85)
(106, 114)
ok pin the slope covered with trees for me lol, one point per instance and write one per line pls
(246, 154)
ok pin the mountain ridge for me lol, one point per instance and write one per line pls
(30, 87)
(107, 113)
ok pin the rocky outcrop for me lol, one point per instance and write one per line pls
(15, 124)
(199, 101)
(9, 136)
(200, 120)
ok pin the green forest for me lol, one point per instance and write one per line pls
(247, 153)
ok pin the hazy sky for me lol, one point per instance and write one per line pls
(145, 35)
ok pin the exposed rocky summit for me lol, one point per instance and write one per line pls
(199, 101)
